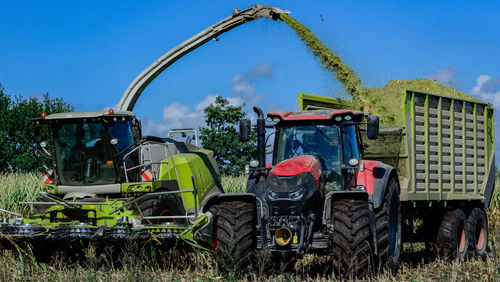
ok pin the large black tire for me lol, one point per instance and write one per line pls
(234, 239)
(388, 226)
(352, 251)
(453, 238)
(478, 232)
(163, 205)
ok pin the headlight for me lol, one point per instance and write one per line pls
(298, 194)
(272, 195)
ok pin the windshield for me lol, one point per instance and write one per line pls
(83, 154)
(122, 131)
(350, 143)
(319, 140)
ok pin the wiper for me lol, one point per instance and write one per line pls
(322, 132)
(129, 146)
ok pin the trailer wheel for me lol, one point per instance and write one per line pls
(388, 226)
(478, 232)
(234, 234)
(352, 251)
(452, 237)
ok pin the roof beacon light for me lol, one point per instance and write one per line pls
(44, 115)
(111, 112)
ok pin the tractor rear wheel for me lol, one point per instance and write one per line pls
(352, 251)
(234, 234)
(478, 232)
(388, 226)
(453, 238)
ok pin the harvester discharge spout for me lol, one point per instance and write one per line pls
(238, 18)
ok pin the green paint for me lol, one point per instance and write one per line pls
(330, 61)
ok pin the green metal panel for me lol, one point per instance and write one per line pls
(440, 147)
(193, 174)
(452, 146)
(464, 152)
(314, 102)
(426, 134)
(467, 149)
(475, 148)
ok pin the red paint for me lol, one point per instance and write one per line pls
(48, 177)
(297, 165)
(312, 115)
(366, 177)
(480, 239)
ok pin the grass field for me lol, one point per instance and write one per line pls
(174, 265)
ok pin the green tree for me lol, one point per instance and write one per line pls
(16, 131)
(222, 137)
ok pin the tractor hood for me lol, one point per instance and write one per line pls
(297, 165)
(293, 186)
(307, 166)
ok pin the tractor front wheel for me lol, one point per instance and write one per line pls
(352, 252)
(234, 234)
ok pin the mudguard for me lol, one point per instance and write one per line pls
(223, 197)
(490, 184)
(375, 177)
(339, 195)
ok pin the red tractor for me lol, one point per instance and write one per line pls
(318, 195)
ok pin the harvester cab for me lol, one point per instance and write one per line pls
(317, 193)
(88, 148)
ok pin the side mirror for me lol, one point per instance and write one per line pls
(372, 127)
(43, 153)
(245, 130)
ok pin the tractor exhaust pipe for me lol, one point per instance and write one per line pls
(261, 136)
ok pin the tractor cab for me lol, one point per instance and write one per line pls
(332, 142)
(88, 148)
(331, 137)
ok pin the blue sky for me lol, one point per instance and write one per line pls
(88, 52)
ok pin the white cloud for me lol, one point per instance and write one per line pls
(487, 89)
(178, 115)
(446, 76)
(243, 87)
